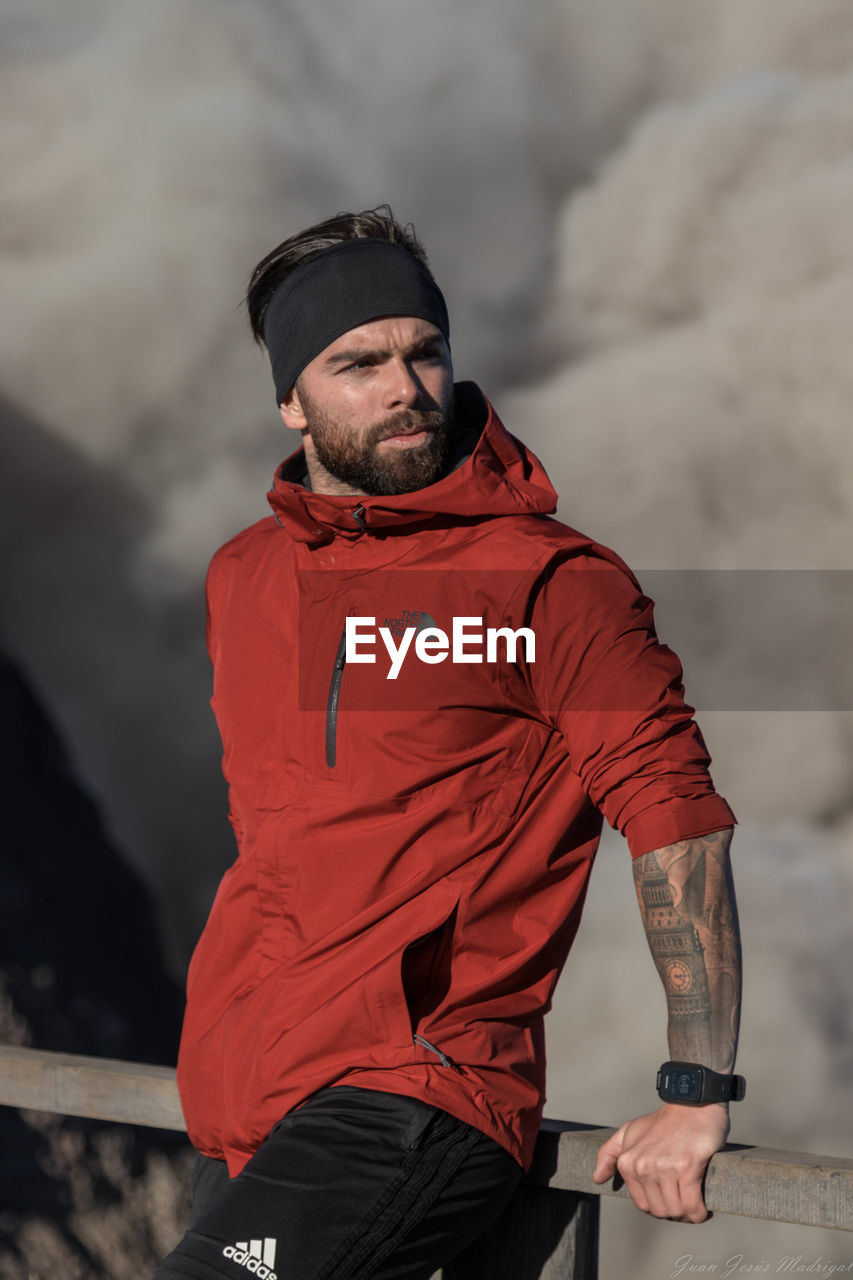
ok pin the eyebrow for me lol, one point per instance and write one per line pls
(377, 353)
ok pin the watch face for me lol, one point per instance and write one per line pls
(679, 976)
(681, 1084)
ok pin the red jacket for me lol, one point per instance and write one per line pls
(414, 852)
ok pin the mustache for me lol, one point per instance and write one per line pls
(410, 421)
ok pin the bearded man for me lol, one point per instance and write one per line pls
(362, 1063)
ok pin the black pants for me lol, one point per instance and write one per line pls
(354, 1184)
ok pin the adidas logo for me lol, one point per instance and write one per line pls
(257, 1256)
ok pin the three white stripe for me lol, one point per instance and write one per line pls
(263, 1250)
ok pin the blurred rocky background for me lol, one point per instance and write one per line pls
(640, 213)
(80, 972)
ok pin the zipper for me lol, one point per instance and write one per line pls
(442, 1057)
(334, 698)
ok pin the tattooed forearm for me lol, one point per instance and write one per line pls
(687, 902)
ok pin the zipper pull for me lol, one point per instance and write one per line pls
(442, 1057)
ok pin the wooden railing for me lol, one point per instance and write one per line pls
(550, 1231)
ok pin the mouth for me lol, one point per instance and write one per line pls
(409, 436)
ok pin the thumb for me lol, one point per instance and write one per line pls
(608, 1154)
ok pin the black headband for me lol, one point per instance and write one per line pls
(345, 286)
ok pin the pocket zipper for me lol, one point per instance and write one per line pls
(442, 1057)
(334, 698)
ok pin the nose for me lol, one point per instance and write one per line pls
(404, 385)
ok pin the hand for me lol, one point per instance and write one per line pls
(663, 1157)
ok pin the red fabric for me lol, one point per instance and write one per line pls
(430, 881)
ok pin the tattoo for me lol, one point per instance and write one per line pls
(687, 902)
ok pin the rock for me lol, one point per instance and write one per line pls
(80, 972)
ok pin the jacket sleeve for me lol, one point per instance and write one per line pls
(615, 693)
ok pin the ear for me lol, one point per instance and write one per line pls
(292, 413)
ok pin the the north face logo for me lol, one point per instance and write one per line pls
(409, 618)
(257, 1256)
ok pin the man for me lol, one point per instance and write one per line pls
(428, 692)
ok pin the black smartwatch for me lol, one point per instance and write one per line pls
(690, 1083)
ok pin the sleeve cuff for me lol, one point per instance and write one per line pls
(669, 821)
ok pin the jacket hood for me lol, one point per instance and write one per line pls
(494, 475)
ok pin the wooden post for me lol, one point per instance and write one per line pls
(542, 1234)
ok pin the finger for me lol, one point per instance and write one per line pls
(608, 1155)
(672, 1198)
(641, 1182)
(653, 1188)
(693, 1205)
(645, 1194)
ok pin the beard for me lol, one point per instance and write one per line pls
(359, 462)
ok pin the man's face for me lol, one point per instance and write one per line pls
(375, 408)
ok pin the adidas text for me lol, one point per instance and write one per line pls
(257, 1256)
